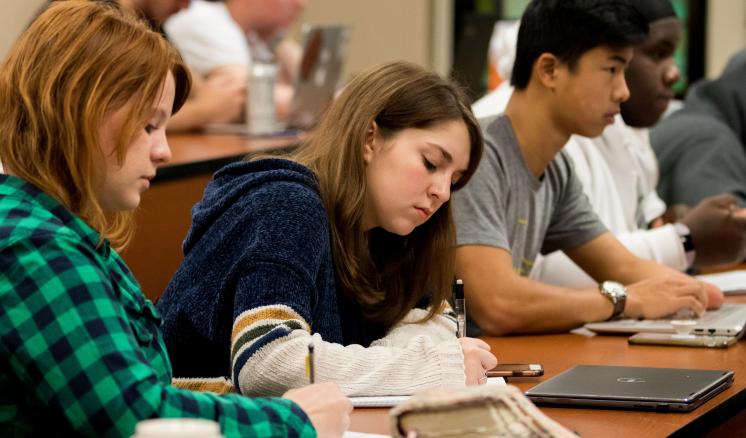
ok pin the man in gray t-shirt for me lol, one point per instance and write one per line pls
(525, 199)
(506, 206)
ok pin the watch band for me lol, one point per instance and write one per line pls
(618, 308)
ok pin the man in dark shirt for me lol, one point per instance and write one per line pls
(701, 149)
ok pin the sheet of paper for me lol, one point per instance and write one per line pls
(731, 283)
(350, 434)
(387, 401)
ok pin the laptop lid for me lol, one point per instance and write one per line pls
(324, 53)
(666, 389)
(728, 320)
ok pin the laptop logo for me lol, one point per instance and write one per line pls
(630, 380)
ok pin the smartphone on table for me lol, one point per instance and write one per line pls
(516, 370)
(683, 341)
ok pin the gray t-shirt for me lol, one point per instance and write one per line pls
(504, 205)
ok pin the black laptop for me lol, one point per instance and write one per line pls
(638, 388)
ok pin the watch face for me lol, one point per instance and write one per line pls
(617, 293)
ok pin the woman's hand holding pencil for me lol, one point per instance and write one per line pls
(326, 406)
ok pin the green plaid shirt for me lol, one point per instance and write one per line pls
(81, 352)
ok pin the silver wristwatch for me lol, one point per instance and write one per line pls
(617, 294)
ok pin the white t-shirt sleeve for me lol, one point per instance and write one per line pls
(659, 244)
(207, 37)
(651, 204)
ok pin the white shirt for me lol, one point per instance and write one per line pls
(207, 37)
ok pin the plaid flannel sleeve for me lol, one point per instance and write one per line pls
(68, 337)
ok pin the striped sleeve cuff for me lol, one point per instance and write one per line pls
(258, 327)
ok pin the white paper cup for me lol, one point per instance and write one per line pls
(177, 428)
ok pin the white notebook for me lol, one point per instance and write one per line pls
(350, 434)
(387, 401)
(731, 283)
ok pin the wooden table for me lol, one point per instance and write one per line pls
(724, 415)
(164, 216)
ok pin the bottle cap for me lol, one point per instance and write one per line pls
(458, 289)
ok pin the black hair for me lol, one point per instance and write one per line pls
(569, 28)
(654, 10)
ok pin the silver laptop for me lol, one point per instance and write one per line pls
(728, 320)
(660, 389)
(324, 54)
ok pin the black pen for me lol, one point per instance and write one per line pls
(459, 302)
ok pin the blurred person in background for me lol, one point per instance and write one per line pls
(221, 39)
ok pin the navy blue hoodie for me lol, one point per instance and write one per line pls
(259, 242)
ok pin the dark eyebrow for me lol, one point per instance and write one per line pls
(448, 157)
(619, 58)
(160, 115)
(668, 43)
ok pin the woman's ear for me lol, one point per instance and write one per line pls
(371, 142)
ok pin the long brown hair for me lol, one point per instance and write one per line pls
(386, 274)
(77, 62)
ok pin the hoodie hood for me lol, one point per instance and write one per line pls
(233, 181)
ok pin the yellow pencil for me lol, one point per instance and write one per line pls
(309, 364)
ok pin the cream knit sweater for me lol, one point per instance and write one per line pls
(412, 356)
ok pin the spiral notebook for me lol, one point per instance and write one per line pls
(387, 401)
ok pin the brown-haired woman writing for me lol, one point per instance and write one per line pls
(347, 244)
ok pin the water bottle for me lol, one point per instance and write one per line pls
(260, 107)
